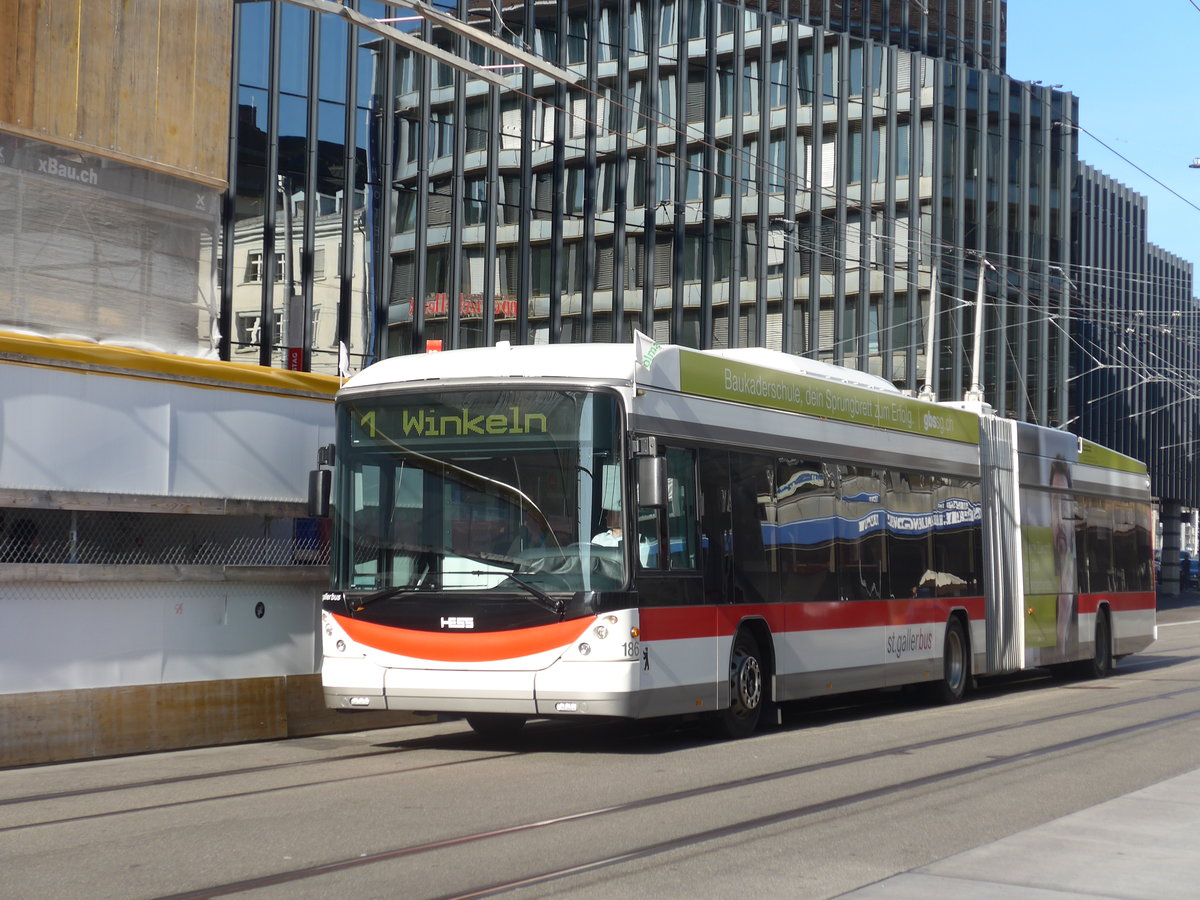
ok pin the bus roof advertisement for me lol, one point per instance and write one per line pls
(1095, 455)
(724, 379)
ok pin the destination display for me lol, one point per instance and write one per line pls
(466, 418)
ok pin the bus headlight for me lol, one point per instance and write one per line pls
(601, 631)
(585, 649)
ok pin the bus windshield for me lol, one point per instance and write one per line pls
(478, 490)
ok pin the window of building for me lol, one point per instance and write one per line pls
(577, 38)
(724, 166)
(750, 164)
(666, 97)
(697, 13)
(667, 33)
(510, 125)
(855, 162)
(540, 263)
(546, 43)
(606, 46)
(578, 121)
(903, 151)
(777, 164)
(750, 88)
(254, 267)
(576, 178)
(693, 257)
(636, 28)
(475, 206)
(666, 179)
(441, 134)
(249, 330)
(477, 127)
(727, 18)
(777, 90)
(830, 74)
(695, 176)
(725, 95)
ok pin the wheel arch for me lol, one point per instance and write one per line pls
(758, 628)
(949, 687)
(964, 619)
(1104, 608)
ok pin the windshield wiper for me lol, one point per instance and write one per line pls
(536, 594)
(387, 594)
(540, 597)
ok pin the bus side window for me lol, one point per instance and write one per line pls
(681, 548)
(647, 532)
(714, 512)
(753, 507)
(682, 542)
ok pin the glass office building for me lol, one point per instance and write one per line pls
(803, 176)
(1137, 338)
(297, 272)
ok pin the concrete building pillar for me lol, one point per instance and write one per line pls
(1171, 535)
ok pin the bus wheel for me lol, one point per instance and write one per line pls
(1101, 663)
(496, 726)
(956, 665)
(740, 719)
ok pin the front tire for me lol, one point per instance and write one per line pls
(956, 665)
(746, 685)
(496, 726)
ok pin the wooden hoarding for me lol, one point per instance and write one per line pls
(143, 81)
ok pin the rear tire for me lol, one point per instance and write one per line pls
(956, 665)
(746, 685)
(1101, 663)
(496, 726)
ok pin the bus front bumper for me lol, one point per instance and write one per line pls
(599, 688)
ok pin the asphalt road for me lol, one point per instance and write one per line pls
(841, 795)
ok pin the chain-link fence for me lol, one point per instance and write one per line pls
(128, 538)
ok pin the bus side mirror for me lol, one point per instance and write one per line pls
(651, 476)
(319, 483)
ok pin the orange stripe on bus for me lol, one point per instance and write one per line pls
(464, 646)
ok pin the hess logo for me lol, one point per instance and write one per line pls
(458, 621)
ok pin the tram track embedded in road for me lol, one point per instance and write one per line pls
(809, 768)
(735, 828)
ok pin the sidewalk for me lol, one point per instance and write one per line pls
(1144, 845)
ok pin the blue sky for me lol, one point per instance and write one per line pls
(1134, 69)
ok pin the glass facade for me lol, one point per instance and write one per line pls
(301, 228)
(1135, 325)
(796, 175)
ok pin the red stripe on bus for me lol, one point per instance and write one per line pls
(1143, 601)
(464, 646)
(684, 622)
(681, 622)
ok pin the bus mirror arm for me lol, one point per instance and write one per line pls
(651, 477)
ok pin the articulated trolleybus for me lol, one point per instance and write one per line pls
(646, 530)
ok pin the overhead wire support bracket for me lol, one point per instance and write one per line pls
(450, 23)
